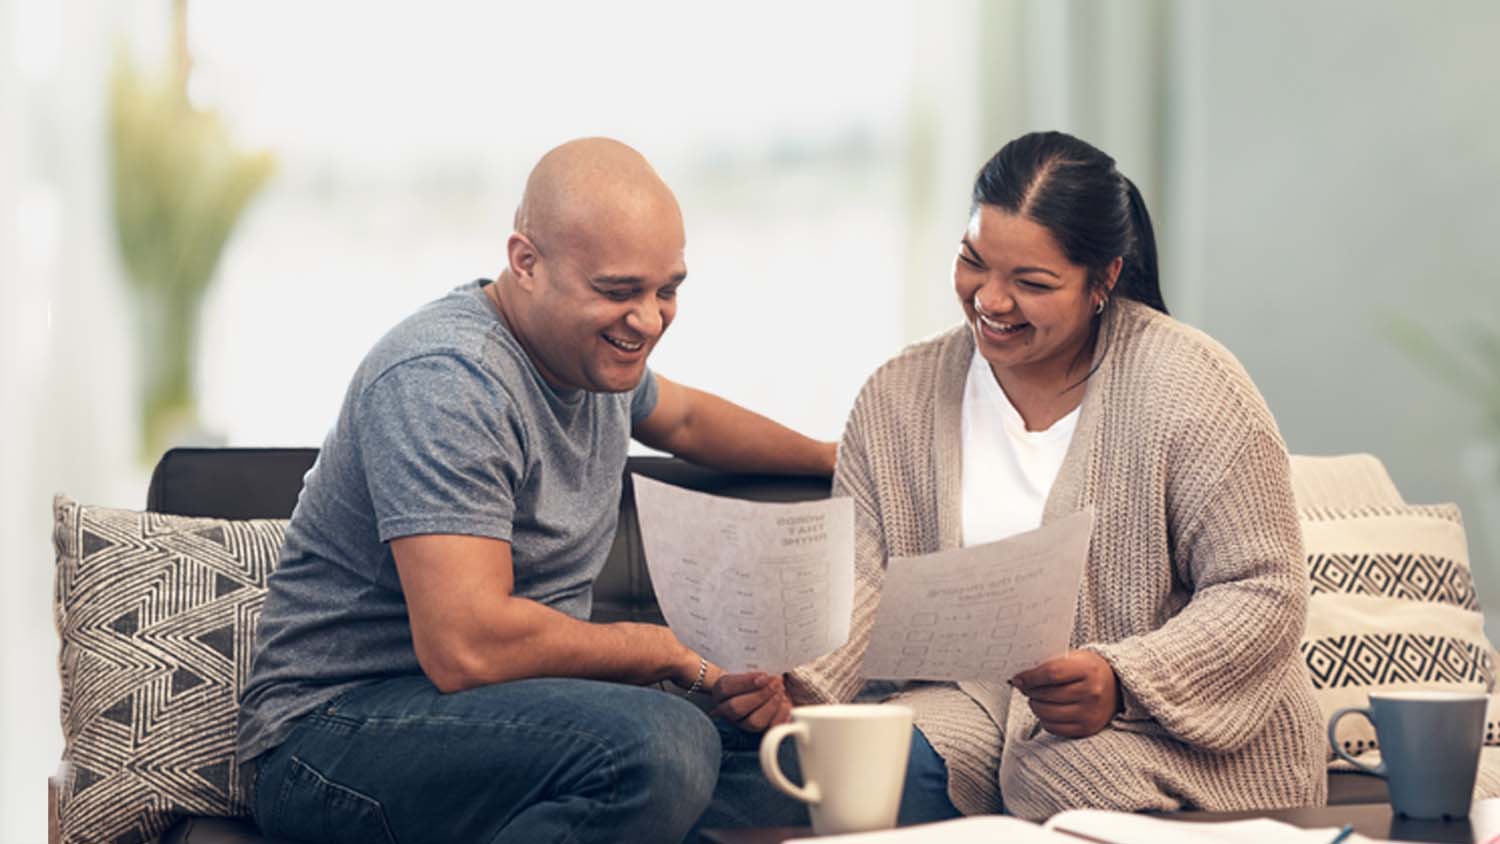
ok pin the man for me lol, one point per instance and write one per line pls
(424, 670)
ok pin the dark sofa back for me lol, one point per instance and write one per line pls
(263, 483)
(229, 483)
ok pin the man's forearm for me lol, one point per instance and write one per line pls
(519, 639)
(723, 435)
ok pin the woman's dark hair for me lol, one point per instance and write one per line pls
(1073, 190)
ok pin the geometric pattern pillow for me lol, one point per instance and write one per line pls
(156, 615)
(1392, 607)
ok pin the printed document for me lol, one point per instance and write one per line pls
(750, 585)
(1097, 826)
(985, 612)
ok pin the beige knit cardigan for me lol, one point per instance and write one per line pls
(1195, 590)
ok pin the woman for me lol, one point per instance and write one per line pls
(1068, 386)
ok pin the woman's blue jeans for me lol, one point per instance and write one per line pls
(549, 760)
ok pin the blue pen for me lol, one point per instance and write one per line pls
(1347, 831)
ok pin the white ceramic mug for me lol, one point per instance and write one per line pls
(853, 759)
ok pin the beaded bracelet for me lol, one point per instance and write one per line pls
(698, 683)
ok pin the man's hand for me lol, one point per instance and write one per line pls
(1074, 695)
(751, 701)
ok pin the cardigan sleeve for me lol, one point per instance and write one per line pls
(1215, 672)
(837, 676)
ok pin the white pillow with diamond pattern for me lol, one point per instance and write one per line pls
(1392, 607)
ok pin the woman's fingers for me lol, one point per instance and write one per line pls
(1064, 693)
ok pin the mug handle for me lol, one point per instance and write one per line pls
(1333, 722)
(768, 748)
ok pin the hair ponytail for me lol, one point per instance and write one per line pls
(1139, 279)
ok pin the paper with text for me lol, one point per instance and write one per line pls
(981, 613)
(750, 585)
(1097, 826)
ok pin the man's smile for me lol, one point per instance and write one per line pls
(629, 346)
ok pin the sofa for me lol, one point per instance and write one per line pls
(226, 502)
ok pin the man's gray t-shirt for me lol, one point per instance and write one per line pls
(447, 428)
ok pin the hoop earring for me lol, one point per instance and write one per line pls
(1099, 308)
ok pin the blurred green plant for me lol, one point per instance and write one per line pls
(1468, 363)
(180, 187)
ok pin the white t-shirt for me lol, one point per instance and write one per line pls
(1007, 470)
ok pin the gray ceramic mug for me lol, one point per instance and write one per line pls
(1429, 748)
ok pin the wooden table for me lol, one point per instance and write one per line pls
(1370, 819)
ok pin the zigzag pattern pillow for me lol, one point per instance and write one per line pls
(1392, 607)
(157, 617)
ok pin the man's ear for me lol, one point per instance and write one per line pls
(522, 256)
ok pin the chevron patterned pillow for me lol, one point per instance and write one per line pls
(157, 615)
(1392, 607)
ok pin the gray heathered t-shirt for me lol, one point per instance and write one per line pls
(447, 427)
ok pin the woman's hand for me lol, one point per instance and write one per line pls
(1074, 695)
(752, 701)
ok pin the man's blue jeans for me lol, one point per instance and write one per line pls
(528, 761)
(549, 760)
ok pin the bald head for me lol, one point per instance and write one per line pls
(588, 188)
(593, 266)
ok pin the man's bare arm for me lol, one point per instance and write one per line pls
(706, 429)
(469, 630)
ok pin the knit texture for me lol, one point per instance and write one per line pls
(1195, 590)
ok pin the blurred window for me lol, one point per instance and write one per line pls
(404, 135)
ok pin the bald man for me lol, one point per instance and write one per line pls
(424, 669)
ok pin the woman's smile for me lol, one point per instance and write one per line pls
(1000, 330)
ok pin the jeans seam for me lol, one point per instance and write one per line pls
(283, 794)
(254, 790)
(385, 825)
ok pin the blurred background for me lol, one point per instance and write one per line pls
(209, 210)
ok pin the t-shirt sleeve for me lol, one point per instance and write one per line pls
(443, 449)
(643, 398)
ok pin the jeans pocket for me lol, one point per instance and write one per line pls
(312, 807)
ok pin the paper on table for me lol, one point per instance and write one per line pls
(1092, 825)
(981, 613)
(978, 829)
(1109, 827)
(750, 585)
